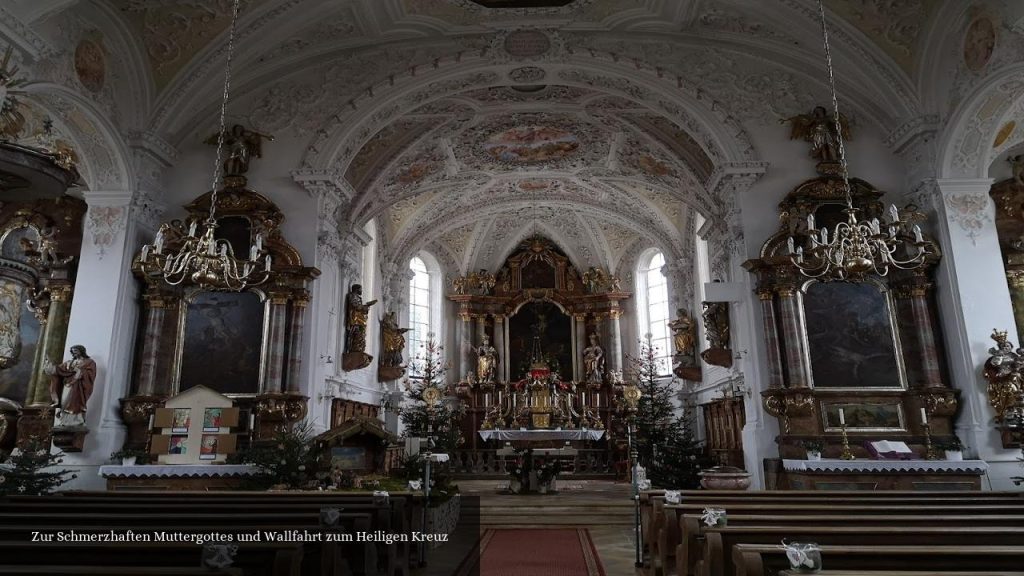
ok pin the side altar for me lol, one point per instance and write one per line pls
(539, 349)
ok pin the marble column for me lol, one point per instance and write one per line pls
(615, 341)
(273, 375)
(507, 352)
(297, 331)
(930, 369)
(793, 338)
(499, 345)
(580, 343)
(149, 379)
(53, 340)
(463, 336)
(771, 337)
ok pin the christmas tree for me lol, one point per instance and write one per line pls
(31, 470)
(442, 420)
(666, 445)
(438, 423)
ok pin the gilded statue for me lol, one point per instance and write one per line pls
(684, 332)
(242, 145)
(356, 314)
(393, 341)
(71, 385)
(596, 279)
(819, 128)
(481, 283)
(593, 361)
(717, 333)
(1003, 370)
(486, 361)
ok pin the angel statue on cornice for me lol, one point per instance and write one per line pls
(819, 128)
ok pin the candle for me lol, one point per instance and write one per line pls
(487, 399)
(842, 417)
(145, 253)
(924, 416)
(499, 397)
(192, 228)
(810, 221)
(597, 399)
(151, 421)
(252, 421)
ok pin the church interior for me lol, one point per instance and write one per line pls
(533, 287)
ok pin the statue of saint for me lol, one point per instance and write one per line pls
(819, 128)
(356, 314)
(70, 387)
(684, 333)
(394, 340)
(486, 361)
(593, 361)
(242, 145)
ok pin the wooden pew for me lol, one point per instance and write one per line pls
(688, 553)
(717, 550)
(51, 570)
(764, 560)
(900, 573)
(653, 522)
(669, 535)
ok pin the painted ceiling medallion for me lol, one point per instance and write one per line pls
(531, 144)
(90, 65)
(527, 43)
(979, 43)
(527, 74)
(522, 3)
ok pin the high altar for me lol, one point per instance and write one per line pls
(555, 363)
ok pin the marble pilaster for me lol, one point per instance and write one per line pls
(499, 345)
(297, 331)
(615, 341)
(273, 377)
(579, 343)
(771, 336)
(792, 333)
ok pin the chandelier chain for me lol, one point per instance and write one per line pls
(223, 113)
(835, 108)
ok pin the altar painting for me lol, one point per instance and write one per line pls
(851, 336)
(222, 342)
(864, 416)
(551, 329)
(14, 379)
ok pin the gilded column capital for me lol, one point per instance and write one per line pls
(465, 316)
(1015, 278)
(580, 317)
(615, 313)
(279, 298)
(60, 292)
(765, 295)
(499, 318)
(786, 291)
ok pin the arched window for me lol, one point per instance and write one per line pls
(420, 312)
(653, 311)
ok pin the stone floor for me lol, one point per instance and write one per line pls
(603, 507)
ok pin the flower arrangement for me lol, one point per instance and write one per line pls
(140, 456)
(547, 471)
(813, 445)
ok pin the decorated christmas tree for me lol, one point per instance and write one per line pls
(666, 445)
(32, 470)
(438, 420)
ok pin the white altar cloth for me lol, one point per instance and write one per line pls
(831, 465)
(541, 434)
(176, 471)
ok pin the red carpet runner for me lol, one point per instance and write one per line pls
(548, 552)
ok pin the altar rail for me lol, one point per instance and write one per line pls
(486, 462)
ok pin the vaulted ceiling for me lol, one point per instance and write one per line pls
(464, 125)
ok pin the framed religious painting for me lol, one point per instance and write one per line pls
(220, 342)
(864, 416)
(851, 336)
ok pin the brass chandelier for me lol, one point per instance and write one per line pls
(204, 259)
(856, 247)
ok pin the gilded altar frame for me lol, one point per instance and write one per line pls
(791, 394)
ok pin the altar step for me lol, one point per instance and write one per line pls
(549, 510)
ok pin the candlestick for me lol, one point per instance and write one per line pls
(846, 454)
(930, 453)
(842, 417)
